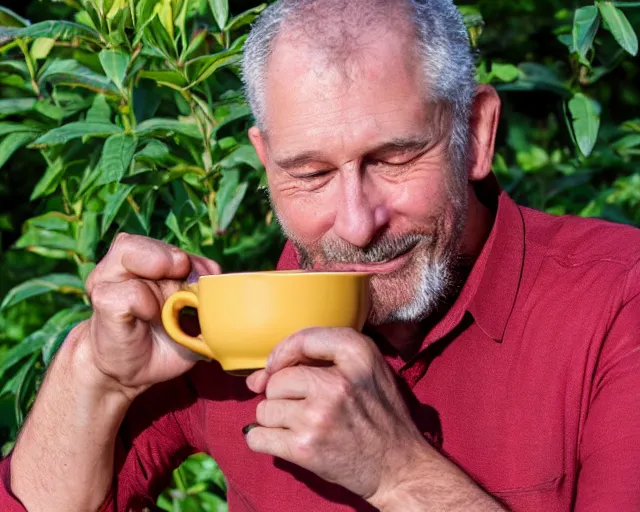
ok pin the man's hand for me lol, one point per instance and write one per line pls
(125, 340)
(332, 406)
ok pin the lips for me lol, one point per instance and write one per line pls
(384, 267)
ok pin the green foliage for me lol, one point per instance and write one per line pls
(128, 116)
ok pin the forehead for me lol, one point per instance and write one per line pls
(374, 91)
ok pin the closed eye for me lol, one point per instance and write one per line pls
(316, 174)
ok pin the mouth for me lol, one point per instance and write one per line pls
(383, 267)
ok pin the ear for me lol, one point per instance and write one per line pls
(259, 144)
(483, 126)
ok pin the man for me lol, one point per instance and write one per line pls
(499, 367)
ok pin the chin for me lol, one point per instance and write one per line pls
(410, 296)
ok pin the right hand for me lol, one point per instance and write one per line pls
(124, 338)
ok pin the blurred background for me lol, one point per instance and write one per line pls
(128, 116)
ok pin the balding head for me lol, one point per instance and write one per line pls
(339, 32)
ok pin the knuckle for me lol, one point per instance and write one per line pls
(116, 298)
(101, 296)
(319, 419)
(304, 447)
(340, 388)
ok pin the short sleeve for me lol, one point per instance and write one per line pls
(609, 478)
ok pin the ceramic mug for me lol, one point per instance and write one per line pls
(243, 316)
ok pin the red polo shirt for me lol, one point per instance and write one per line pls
(530, 383)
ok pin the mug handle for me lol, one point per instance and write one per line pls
(170, 312)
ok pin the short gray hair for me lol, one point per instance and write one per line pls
(442, 43)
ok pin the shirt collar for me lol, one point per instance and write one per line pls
(499, 280)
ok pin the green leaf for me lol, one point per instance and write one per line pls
(194, 44)
(36, 239)
(14, 67)
(58, 327)
(8, 18)
(84, 269)
(112, 206)
(47, 339)
(12, 142)
(114, 63)
(220, 10)
(50, 220)
(626, 143)
(618, 24)
(87, 238)
(165, 77)
(117, 154)
(28, 346)
(535, 76)
(505, 72)
(228, 198)
(244, 154)
(16, 106)
(244, 18)
(54, 29)
(155, 151)
(585, 25)
(201, 68)
(69, 72)
(9, 127)
(164, 127)
(585, 115)
(100, 111)
(76, 130)
(49, 181)
(41, 47)
(62, 283)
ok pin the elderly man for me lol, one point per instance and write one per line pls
(500, 366)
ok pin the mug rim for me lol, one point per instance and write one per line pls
(288, 273)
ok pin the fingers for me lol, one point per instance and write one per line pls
(293, 383)
(257, 381)
(138, 256)
(203, 267)
(123, 303)
(279, 413)
(344, 347)
(273, 441)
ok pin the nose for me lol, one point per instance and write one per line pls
(359, 213)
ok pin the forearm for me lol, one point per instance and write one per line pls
(434, 483)
(63, 459)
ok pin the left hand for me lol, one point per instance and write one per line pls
(345, 420)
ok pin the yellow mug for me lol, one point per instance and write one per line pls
(243, 316)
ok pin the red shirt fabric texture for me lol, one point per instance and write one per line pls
(530, 383)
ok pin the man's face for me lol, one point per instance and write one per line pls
(359, 174)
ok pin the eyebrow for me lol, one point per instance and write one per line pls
(409, 143)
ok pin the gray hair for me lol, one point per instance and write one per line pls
(442, 44)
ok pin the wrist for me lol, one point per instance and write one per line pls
(76, 360)
(401, 481)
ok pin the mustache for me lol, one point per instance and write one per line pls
(381, 250)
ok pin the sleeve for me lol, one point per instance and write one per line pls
(154, 438)
(609, 477)
(8, 502)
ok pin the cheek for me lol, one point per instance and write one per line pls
(305, 216)
(419, 196)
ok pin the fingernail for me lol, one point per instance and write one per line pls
(192, 277)
(248, 428)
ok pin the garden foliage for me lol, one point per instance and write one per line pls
(128, 115)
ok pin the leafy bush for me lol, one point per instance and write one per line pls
(128, 116)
